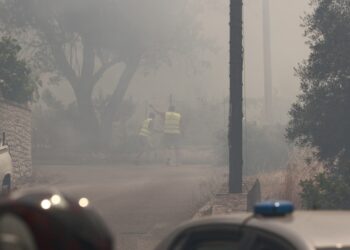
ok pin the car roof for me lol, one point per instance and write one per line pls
(306, 229)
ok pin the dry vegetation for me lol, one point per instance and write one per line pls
(284, 184)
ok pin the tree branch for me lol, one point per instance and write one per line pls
(63, 64)
(119, 93)
(97, 76)
(59, 54)
(88, 66)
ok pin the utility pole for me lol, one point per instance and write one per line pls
(267, 62)
(236, 97)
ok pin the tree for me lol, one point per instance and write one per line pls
(16, 82)
(82, 39)
(320, 118)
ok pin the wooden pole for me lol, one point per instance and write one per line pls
(267, 62)
(236, 97)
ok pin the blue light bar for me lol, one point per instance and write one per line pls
(274, 208)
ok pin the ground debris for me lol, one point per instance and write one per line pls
(225, 203)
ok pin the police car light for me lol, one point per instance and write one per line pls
(274, 208)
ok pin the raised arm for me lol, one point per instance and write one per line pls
(161, 114)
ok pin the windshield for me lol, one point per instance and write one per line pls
(154, 112)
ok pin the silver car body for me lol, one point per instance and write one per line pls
(6, 166)
(304, 230)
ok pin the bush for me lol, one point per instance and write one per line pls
(57, 127)
(202, 119)
(328, 190)
(16, 83)
(325, 192)
(264, 148)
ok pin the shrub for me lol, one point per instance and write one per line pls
(264, 148)
(16, 82)
(328, 190)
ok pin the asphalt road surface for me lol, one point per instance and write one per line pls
(140, 204)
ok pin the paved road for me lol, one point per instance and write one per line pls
(140, 204)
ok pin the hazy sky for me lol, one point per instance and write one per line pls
(288, 48)
(287, 43)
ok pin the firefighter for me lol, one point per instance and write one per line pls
(172, 132)
(146, 136)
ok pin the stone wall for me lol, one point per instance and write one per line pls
(15, 121)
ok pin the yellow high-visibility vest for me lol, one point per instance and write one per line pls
(172, 123)
(145, 131)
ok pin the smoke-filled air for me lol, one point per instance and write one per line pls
(152, 109)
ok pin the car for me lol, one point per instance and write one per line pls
(6, 167)
(272, 226)
(46, 219)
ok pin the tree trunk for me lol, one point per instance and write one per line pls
(236, 96)
(83, 88)
(110, 114)
(83, 85)
(88, 123)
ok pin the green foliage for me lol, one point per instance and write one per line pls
(329, 190)
(320, 118)
(16, 83)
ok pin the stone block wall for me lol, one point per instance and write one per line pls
(16, 122)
